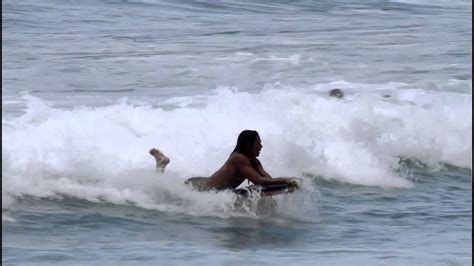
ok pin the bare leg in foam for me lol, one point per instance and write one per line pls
(161, 160)
(198, 182)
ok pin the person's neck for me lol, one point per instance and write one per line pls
(249, 155)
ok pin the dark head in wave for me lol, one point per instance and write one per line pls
(248, 143)
(336, 93)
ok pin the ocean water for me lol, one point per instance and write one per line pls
(88, 87)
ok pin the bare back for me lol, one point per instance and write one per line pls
(228, 176)
(239, 167)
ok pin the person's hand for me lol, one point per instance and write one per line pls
(292, 182)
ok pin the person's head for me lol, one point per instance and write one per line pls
(336, 93)
(249, 143)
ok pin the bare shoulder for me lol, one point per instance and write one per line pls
(256, 161)
(238, 158)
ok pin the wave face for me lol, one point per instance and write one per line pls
(102, 152)
(88, 88)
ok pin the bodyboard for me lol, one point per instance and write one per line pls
(199, 183)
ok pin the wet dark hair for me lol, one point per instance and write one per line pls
(336, 93)
(246, 138)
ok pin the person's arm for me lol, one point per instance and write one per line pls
(246, 169)
(258, 166)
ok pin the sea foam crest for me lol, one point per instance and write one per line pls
(88, 152)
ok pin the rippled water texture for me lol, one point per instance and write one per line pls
(88, 87)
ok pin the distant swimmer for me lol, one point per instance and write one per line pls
(242, 164)
(161, 160)
(336, 93)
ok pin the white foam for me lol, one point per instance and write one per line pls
(294, 59)
(102, 152)
(7, 218)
